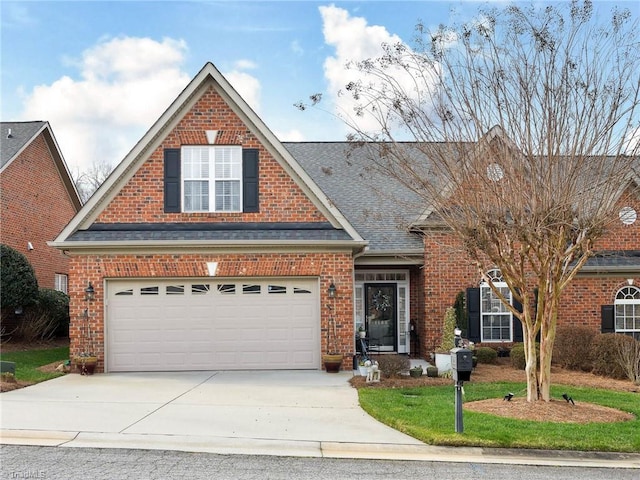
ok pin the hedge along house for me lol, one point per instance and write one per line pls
(213, 245)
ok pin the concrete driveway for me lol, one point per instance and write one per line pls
(278, 412)
(285, 413)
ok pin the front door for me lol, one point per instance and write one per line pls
(381, 316)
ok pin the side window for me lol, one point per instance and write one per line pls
(627, 311)
(495, 317)
(61, 282)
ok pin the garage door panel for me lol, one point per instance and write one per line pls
(184, 324)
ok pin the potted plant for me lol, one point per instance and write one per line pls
(332, 359)
(362, 332)
(432, 372)
(86, 363)
(443, 353)
(416, 372)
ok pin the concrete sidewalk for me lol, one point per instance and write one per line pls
(284, 413)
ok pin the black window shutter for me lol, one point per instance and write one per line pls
(172, 180)
(607, 317)
(250, 180)
(473, 313)
(517, 325)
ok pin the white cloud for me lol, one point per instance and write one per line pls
(292, 135)
(247, 86)
(354, 40)
(125, 84)
(245, 64)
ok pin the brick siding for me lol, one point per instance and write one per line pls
(447, 271)
(35, 208)
(329, 267)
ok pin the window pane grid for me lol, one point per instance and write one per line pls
(196, 196)
(206, 168)
(627, 311)
(495, 317)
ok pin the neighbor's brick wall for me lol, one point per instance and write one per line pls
(142, 200)
(35, 208)
(336, 267)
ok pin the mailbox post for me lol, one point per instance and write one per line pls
(461, 366)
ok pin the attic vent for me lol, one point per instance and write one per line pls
(211, 136)
(9, 134)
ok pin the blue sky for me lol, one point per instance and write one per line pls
(102, 72)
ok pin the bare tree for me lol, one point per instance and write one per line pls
(88, 181)
(528, 119)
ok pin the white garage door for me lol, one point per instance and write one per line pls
(180, 324)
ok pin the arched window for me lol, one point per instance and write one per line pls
(495, 317)
(627, 311)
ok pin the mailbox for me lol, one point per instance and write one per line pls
(461, 364)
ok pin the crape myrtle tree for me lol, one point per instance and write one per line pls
(528, 119)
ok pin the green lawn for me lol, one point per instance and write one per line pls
(428, 414)
(28, 361)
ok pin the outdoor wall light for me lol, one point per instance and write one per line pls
(332, 290)
(89, 293)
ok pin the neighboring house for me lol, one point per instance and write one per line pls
(38, 198)
(212, 245)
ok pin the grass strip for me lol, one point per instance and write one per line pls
(428, 414)
(28, 361)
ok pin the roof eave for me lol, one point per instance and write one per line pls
(149, 245)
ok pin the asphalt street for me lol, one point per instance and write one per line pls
(53, 463)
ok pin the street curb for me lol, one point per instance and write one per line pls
(316, 449)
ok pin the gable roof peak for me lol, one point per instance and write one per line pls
(153, 138)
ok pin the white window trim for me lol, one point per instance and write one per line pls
(496, 275)
(212, 179)
(625, 301)
(59, 284)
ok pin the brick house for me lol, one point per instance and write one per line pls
(38, 198)
(213, 245)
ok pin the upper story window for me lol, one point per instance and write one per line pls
(495, 316)
(212, 178)
(627, 311)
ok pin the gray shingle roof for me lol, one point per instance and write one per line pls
(611, 261)
(232, 231)
(378, 207)
(21, 134)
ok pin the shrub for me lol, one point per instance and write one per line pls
(35, 325)
(461, 312)
(486, 355)
(518, 360)
(448, 331)
(47, 318)
(571, 347)
(19, 286)
(56, 305)
(392, 365)
(629, 357)
(604, 355)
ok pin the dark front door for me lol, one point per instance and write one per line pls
(381, 316)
